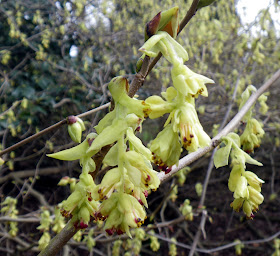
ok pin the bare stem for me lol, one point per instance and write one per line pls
(57, 243)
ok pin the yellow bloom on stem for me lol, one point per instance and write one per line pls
(191, 131)
(123, 212)
(189, 82)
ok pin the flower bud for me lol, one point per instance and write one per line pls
(253, 180)
(24, 103)
(64, 181)
(255, 196)
(155, 245)
(238, 247)
(164, 43)
(84, 215)
(44, 240)
(158, 106)
(189, 82)
(241, 190)
(163, 21)
(187, 210)
(75, 128)
(234, 177)
(166, 148)
(237, 204)
(247, 209)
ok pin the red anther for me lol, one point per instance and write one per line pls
(167, 170)
(83, 225)
(140, 201)
(138, 220)
(110, 231)
(65, 213)
(146, 193)
(99, 216)
(148, 178)
(90, 199)
(120, 232)
(191, 135)
(185, 139)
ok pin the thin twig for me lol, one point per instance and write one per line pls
(49, 129)
(23, 220)
(220, 248)
(197, 235)
(36, 194)
(33, 137)
(29, 173)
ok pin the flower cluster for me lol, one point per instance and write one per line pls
(121, 196)
(245, 185)
(8, 208)
(253, 132)
(45, 222)
(178, 101)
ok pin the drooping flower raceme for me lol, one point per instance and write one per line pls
(121, 196)
(179, 103)
(245, 185)
(188, 82)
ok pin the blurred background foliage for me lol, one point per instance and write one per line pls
(57, 57)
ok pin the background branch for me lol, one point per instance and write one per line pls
(49, 129)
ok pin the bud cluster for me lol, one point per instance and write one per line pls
(187, 210)
(8, 208)
(45, 222)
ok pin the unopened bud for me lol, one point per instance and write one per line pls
(64, 181)
(75, 128)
